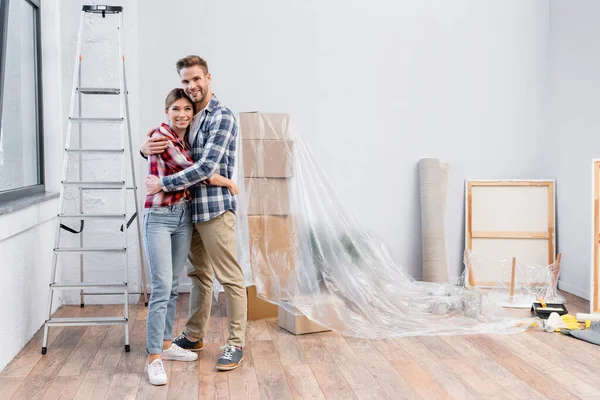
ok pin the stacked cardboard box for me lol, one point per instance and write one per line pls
(267, 164)
(268, 169)
(257, 307)
(293, 321)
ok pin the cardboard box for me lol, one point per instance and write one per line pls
(256, 125)
(295, 322)
(267, 158)
(268, 196)
(272, 243)
(258, 308)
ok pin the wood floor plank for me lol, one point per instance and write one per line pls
(106, 359)
(257, 330)
(90, 363)
(452, 383)
(359, 377)
(338, 348)
(272, 381)
(84, 352)
(509, 360)
(571, 348)
(63, 387)
(123, 386)
(420, 380)
(302, 382)
(28, 357)
(213, 384)
(332, 382)
(135, 360)
(392, 383)
(22, 364)
(40, 378)
(183, 385)
(8, 386)
(481, 383)
(243, 383)
(31, 354)
(94, 385)
(438, 347)
(286, 344)
(565, 378)
(502, 376)
(392, 351)
(314, 349)
(147, 391)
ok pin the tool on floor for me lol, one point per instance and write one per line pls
(591, 334)
(95, 16)
(544, 310)
(519, 301)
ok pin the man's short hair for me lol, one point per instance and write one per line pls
(191, 61)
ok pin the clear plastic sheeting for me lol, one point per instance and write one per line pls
(518, 285)
(308, 254)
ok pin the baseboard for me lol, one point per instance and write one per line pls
(454, 280)
(584, 294)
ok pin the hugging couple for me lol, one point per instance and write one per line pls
(190, 214)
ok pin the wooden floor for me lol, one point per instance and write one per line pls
(89, 363)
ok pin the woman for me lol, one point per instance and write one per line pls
(167, 234)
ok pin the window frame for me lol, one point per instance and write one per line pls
(25, 191)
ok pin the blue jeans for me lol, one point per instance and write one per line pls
(167, 234)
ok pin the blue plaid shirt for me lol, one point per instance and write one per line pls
(213, 151)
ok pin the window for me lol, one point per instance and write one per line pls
(21, 147)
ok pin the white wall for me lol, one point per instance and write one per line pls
(574, 138)
(26, 239)
(27, 235)
(373, 87)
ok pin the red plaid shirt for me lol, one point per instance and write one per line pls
(174, 159)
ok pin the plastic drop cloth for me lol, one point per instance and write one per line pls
(307, 253)
(518, 287)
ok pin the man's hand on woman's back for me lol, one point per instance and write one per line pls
(154, 144)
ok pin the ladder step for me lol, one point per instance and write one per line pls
(102, 9)
(89, 90)
(107, 188)
(86, 321)
(96, 185)
(91, 216)
(82, 285)
(91, 250)
(81, 120)
(110, 293)
(94, 151)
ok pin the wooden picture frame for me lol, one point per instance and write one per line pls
(595, 273)
(528, 233)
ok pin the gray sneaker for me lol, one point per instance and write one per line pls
(230, 357)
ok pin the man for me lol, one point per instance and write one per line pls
(212, 139)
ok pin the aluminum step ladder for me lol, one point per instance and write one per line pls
(112, 285)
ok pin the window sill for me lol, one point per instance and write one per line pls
(19, 215)
(24, 202)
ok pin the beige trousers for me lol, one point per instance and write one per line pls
(214, 251)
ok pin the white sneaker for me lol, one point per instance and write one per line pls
(156, 373)
(176, 353)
